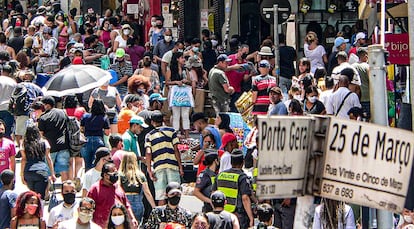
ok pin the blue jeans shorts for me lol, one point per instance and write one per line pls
(60, 160)
(164, 176)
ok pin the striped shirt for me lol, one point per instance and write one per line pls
(262, 84)
(161, 141)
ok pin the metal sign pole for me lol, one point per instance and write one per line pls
(276, 39)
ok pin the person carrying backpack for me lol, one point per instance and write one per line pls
(19, 106)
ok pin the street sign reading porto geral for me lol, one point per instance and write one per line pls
(367, 164)
(283, 146)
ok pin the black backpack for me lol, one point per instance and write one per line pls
(75, 136)
(20, 101)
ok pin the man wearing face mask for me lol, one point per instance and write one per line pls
(106, 193)
(237, 74)
(84, 219)
(133, 107)
(157, 30)
(102, 155)
(66, 209)
(163, 46)
(130, 137)
(170, 212)
(124, 70)
(406, 220)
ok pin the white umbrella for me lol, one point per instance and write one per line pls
(75, 79)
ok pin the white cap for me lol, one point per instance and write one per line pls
(360, 35)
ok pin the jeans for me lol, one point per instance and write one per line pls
(137, 205)
(9, 120)
(181, 112)
(60, 160)
(234, 97)
(285, 84)
(89, 149)
(36, 182)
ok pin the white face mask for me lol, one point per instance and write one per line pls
(85, 217)
(153, 23)
(126, 31)
(312, 99)
(297, 97)
(118, 220)
(167, 38)
(135, 109)
(408, 219)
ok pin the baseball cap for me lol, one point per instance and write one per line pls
(120, 52)
(197, 116)
(77, 60)
(157, 116)
(138, 120)
(264, 64)
(145, 114)
(218, 198)
(223, 57)
(100, 153)
(276, 90)
(157, 96)
(227, 137)
(339, 41)
(48, 100)
(236, 153)
(173, 187)
(360, 35)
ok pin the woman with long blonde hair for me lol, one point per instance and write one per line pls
(134, 183)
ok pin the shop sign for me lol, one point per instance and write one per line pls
(398, 47)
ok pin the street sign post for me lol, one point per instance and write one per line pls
(367, 164)
(284, 10)
(284, 144)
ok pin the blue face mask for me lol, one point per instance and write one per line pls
(196, 49)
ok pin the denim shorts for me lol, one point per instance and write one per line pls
(136, 204)
(60, 160)
(165, 176)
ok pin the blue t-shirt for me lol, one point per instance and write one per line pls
(7, 202)
(94, 124)
(278, 109)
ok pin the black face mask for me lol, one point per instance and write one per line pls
(69, 198)
(2, 134)
(243, 56)
(113, 178)
(159, 26)
(174, 201)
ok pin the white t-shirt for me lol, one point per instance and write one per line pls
(336, 72)
(335, 100)
(122, 42)
(349, 219)
(72, 224)
(315, 56)
(225, 161)
(324, 96)
(61, 213)
(90, 178)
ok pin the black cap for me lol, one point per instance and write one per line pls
(100, 153)
(48, 100)
(198, 116)
(348, 72)
(157, 116)
(173, 187)
(236, 153)
(218, 198)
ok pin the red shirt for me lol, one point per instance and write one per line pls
(201, 166)
(236, 77)
(105, 197)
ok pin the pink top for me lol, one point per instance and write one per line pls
(7, 150)
(236, 77)
(105, 38)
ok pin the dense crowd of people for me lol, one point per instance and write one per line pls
(125, 162)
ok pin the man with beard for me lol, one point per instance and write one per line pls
(171, 212)
(66, 209)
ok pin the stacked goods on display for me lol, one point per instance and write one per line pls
(245, 106)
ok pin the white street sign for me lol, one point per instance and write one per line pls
(284, 143)
(367, 164)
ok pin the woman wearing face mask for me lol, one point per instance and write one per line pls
(104, 33)
(406, 220)
(208, 143)
(139, 85)
(150, 74)
(294, 93)
(157, 30)
(28, 212)
(134, 183)
(311, 103)
(204, 182)
(36, 161)
(121, 40)
(200, 221)
(118, 218)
